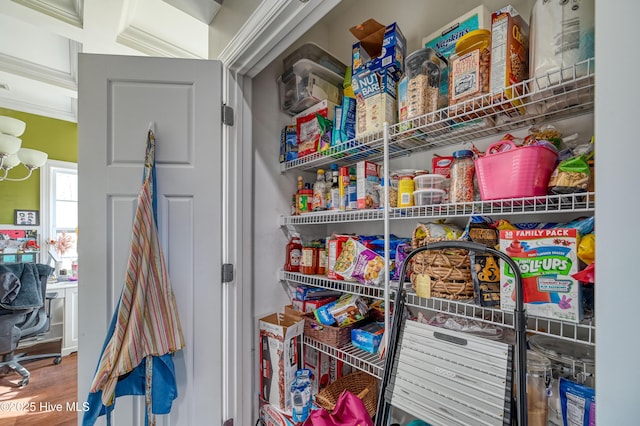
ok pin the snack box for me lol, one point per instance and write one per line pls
(367, 178)
(311, 305)
(376, 92)
(509, 58)
(368, 338)
(288, 144)
(308, 293)
(378, 47)
(547, 259)
(280, 357)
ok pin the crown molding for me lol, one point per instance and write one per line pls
(66, 115)
(28, 69)
(151, 45)
(70, 11)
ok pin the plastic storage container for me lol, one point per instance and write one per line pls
(429, 181)
(425, 197)
(423, 70)
(462, 173)
(306, 84)
(469, 71)
(515, 172)
(318, 55)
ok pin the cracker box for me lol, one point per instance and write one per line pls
(378, 47)
(509, 58)
(280, 357)
(376, 91)
(444, 39)
(547, 258)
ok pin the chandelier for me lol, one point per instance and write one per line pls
(11, 154)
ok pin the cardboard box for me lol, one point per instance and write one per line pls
(444, 39)
(376, 93)
(509, 58)
(378, 47)
(547, 258)
(368, 337)
(310, 305)
(280, 357)
(320, 365)
(307, 292)
(367, 177)
(270, 415)
(288, 144)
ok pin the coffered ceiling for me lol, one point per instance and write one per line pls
(40, 39)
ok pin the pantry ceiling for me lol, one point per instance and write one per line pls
(40, 39)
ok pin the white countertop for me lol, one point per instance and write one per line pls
(61, 284)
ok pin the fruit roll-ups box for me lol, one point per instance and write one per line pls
(547, 259)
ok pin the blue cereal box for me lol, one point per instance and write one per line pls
(368, 338)
(378, 47)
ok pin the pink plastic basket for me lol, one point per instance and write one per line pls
(516, 172)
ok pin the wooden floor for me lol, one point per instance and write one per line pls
(50, 387)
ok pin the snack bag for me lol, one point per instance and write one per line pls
(570, 176)
(360, 263)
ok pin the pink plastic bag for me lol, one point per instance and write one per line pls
(349, 411)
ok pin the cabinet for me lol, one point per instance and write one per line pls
(561, 102)
(64, 315)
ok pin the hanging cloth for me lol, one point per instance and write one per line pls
(145, 331)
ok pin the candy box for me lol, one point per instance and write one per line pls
(547, 258)
(280, 357)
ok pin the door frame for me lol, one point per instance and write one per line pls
(272, 28)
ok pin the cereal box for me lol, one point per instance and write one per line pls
(280, 357)
(547, 258)
(509, 57)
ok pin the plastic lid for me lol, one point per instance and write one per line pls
(536, 360)
(463, 153)
(562, 351)
(430, 177)
(472, 38)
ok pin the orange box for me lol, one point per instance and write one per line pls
(509, 58)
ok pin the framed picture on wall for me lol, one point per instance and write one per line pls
(26, 217)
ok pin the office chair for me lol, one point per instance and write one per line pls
(23, 313)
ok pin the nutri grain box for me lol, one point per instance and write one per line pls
(547, 258)
(509, 58)
(376, 92)
(280, 357)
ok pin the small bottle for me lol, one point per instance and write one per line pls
(322, 259)
(319, 192)
(297, 194)
(294, 253)
(352, 190)
(293, 210)
(462, 172)
(335, 188)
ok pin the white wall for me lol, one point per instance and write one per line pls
(617, 205)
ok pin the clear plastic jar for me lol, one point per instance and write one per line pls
(538, 378)
(469, 70)
(462, 172)
(423, 70)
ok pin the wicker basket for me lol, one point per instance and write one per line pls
(449, 269)
(330, 335)
(359, 383)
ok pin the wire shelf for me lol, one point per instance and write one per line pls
(567, 203)
(559, 94)
(365, 361)
(583, 332)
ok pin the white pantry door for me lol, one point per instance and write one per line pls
(118, 98)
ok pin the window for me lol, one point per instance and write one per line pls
(59, 211)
